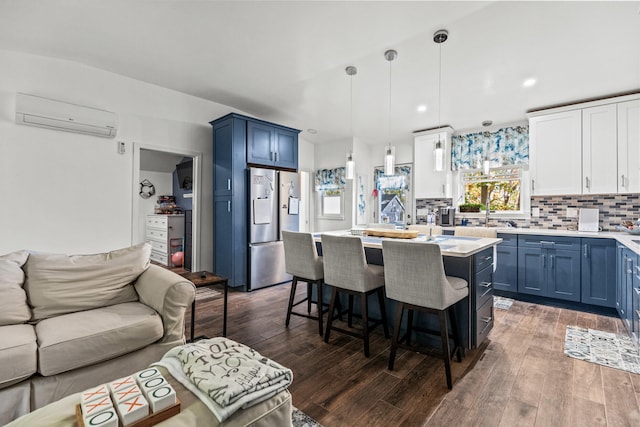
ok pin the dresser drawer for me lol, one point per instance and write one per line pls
(157, 222)
(484, 259)
(484, 286)
(159, 246)
(484, 321)
(156, 234)
(159, 257)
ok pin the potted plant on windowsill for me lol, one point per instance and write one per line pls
(471, 207)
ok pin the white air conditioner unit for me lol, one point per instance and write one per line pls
(47, 113)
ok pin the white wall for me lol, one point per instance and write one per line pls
(330, 156)
(72, 193)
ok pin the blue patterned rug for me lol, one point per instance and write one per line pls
(603, 348)
(300, 419)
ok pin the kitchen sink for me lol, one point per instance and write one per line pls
(637, 242)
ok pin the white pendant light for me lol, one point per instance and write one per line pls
(350, 168)
(486, 165)
(389, 158)
(439, 37)
(438, 156)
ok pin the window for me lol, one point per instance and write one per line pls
(504, 185)
(331, 204)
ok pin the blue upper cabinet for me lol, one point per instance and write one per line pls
(271, 145)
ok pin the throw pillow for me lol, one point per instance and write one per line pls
(13, 300)
(59, 284)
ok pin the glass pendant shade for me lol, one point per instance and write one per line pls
(350, 167)
(389, 162)
(438, 157)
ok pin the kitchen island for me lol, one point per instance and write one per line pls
(470, 258)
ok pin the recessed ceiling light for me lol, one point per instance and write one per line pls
(529, 82)
(312, 131)
(421, 108)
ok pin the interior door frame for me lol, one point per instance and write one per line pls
(196, 195)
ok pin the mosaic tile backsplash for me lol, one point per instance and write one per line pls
(614, 208)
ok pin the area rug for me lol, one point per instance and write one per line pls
(502, 303)
(603, 348)
(300, 419)
(206, 293)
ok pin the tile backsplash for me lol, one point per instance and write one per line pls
(614, 208)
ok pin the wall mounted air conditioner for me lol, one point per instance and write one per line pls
(47, 113)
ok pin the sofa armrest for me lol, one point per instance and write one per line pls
(169, 294)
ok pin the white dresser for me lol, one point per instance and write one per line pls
(161, 229)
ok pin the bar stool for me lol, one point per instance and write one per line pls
(303, 263)
(415, 278)
(347, 271)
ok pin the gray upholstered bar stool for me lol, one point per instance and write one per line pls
(415, 278)
(346, 271)
(303, 263)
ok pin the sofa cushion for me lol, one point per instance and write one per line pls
(13, 300)
(87, 337)
(59, 284)
(18, 353)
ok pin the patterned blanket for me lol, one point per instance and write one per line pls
(226, 375)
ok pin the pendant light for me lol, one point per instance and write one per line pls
(389, 158)
(486, 165)
(350, 166)
(439, 37)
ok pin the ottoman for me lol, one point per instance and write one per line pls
(275, 411)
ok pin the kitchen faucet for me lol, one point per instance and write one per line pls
(487, 208)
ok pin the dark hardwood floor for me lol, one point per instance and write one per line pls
(519, 377)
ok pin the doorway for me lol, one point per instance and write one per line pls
(156, 172)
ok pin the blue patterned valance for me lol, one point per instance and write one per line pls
(330, 179)
(506, 146)
(401, 180)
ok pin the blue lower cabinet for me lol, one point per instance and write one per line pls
(563, 275)
(505, 278)
(532, 275)
(599, 272)
(549, 267)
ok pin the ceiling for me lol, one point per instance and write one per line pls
(285, 61)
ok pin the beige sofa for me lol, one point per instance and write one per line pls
(70, 322)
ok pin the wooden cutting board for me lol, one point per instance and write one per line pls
(387, 232)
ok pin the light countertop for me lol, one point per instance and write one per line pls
(454, 246)
(629, 240)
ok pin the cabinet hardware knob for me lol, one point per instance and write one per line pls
(485, 284)
(228, 205)
(623, 181)
(487, 319)
(229, 184)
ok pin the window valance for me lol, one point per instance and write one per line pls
(506, 146)
(330, 179)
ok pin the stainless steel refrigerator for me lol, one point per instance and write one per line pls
(274, 198)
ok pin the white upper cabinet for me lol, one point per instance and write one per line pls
(599, 150)
(555, 162)
(588, 148)
(430, 183)
(629, 146)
